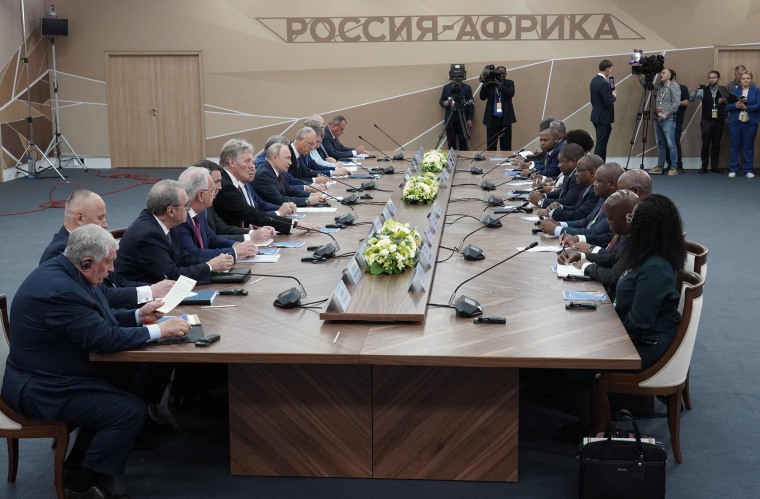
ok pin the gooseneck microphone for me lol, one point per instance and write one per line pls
(290, 298)
(324, 251)
(389, 169)
(399, 156)
(466, 306)
(351, 188)
(478, 156)
(489, 186)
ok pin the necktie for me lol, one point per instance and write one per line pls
(280, 183)
(596, 218)
(197, 226)
(245, 198)
(612, 243)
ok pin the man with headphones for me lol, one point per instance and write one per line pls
(60, 316)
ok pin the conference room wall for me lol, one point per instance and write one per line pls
(257, 83)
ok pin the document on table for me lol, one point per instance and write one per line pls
(325, 209)
(182, 287)
(546, 249)
(568, 270)
(260, 259)
(531, 218)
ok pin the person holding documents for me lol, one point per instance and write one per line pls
(195, 235)
(150, 251)
(59, 316)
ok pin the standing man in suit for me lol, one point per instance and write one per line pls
(270, 183)
(85, 207)
(195, 235)
(332, 145)
(603, 98)
(236, 202)
(713, 100)
(59, 316)
(150, 251)
(500, 113)
(457, 100)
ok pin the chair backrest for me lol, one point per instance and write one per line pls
(118, 233)
(4, 342)
(673, 367)
(696, 261)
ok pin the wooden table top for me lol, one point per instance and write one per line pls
(539, 331)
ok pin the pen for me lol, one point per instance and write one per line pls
(219, 306)
(254, 282)
(336, 337)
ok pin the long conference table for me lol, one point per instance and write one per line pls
(390, 395)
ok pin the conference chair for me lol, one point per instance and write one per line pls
(14, 426)
(696, 261)
(668, 375)
(118, 233)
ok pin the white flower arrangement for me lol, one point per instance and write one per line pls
(392, 249)
(434, 161)
(422, 188)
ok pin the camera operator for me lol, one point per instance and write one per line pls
(499, 114)
(668, 99)
(456, 99)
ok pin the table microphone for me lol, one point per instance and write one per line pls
(389, 169)
(290, 298)
(489, 186)
(466, 306)
(479, 157)
(399, 156)
(351, 188)
(326, 250)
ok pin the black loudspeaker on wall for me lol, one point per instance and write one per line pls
(54, 27)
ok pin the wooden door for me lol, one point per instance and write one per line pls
(132, 124)
(155, 112)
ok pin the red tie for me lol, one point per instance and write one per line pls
(197, 226)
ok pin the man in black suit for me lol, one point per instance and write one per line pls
(48, 373)
(270, 183)
(150, 251)
(602, 107)
(236, 204)
(457, 100)
(570, 191)
(86, 207)
(333, 147)
(585, 173)
(303, 166)
(500, 113)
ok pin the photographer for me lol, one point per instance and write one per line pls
(499, 114)
(456, 99)
(668, 99)
(713, 99)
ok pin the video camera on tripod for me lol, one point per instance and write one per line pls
(648, 66)
(457, 74)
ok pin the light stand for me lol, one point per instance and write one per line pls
(31, 147)
(55, 142)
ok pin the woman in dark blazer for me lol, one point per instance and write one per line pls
(743, 117)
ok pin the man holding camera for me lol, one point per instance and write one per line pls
(456, 99)
(499, 114)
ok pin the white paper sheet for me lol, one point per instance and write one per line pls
(179, 291)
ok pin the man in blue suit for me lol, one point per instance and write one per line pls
(499, 114)
(195, 235)
(85, 207)
(602, 107)
(150, 251)
(270, 182)
(334, 149)
(59, 316)
(548, 166)
(570, 190)
(585, 171)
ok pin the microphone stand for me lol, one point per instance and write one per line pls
(489, 186)
(390, 169)
(479, 157)
(467, 307)
(399, 156)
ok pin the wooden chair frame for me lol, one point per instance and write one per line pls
(700, 262)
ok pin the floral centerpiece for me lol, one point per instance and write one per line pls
(392, 249)
(422, 188)
(434, 161)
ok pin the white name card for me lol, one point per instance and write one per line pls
(342, 297)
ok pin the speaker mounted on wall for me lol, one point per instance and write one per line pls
(54, 27)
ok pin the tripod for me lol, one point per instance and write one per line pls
(55, 142)
(31, 147)
(643, 116)
(458, 105)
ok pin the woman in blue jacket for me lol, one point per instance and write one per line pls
(743, 117)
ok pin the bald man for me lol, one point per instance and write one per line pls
(86, 207)
(602, 265)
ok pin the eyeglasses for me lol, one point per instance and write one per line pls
(579, 170)
(186, 206)
(215, 190)
(628, 217)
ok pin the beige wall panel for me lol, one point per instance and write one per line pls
(86, 125)
(74, 89)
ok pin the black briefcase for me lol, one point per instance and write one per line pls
(622, 469)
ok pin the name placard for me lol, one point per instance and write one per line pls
(427, 254)
(342, 297)
(387, 213)
(427, 236)
(391, 207)
(437, 209)
(419, 279)
(354, 272)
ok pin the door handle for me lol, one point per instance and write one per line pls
(155, 111)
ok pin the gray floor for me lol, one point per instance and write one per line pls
(720, 437)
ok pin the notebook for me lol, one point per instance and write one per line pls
(200, 297)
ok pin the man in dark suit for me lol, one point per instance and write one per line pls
(335, 128)
(303, 166)
(48, 372)
(457, 100)
(585, 171)
(86, 207)
(602, 107)
(236, 204)
(151, 251)
(270, 183)
(500, 113)
(548, 165)
(195, 236)
(570, 191)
